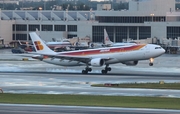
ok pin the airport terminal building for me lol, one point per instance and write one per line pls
(144, 19)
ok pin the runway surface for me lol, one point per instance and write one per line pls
(70, 83)
(50, 109)
(39, 77)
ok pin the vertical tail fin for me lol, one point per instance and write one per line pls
(107, 41)
(39, 45)
(20, 42)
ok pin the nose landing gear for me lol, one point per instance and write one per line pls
(151, 61)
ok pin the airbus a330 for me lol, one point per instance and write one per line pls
(128, 54)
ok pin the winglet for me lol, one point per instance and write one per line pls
(39, 45)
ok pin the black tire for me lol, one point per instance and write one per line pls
(84, 71)
(109, 68)
(89, 69)
(104, 71)
(150, 64)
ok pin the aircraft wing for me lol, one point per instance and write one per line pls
(83, 59)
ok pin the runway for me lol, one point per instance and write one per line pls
(51, 109)
(39, 77)
(70, 83)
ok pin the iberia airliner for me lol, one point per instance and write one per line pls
(128, 54)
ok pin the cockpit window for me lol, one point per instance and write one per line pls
(158, 47)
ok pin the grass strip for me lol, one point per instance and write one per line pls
(92, 100)
(142, 85)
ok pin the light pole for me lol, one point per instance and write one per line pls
(84, 6)
(0, 23)
(91, 15)
(0, 15)
(75, 5)
(66, 14)
(152, 14)
(40, 14)
(111, 2)
(86, 16)
(44, 5)
(3, 4)
(23, 4)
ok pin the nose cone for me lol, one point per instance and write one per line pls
(159, 50)
(155, 50)
(163, 51)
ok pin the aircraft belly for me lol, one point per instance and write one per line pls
(112, 61)
(123, 56)
(112, 58)
(129, 56)
(63, 62)
(150, 55)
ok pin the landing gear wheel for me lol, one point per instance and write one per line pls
(151, 60)
(108, 68)
(150, 64)
(89, 69)
(104, 71)
(84, 71)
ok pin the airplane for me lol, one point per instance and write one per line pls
(108, 42)
(59, 45)
(128, 54)
(56, 44)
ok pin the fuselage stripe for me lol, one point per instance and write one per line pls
(104, 50)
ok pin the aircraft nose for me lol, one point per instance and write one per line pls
(163, 51)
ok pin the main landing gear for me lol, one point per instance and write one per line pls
(86, 70)
(107, 68)
(151, 61)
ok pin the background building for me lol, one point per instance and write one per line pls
(139, 22)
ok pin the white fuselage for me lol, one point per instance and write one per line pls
(144, 53)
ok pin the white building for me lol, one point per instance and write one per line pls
(152, 5)
(144, 22)
(103, 7)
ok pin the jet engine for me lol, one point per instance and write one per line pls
(97, 62)
(131, 63)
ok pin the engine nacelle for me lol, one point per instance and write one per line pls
(97, 62)
(131, 63)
